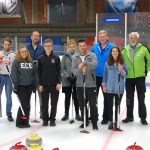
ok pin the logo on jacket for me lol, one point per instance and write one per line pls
(53, 61)
(26, 65)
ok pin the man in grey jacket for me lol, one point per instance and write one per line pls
(85, 62)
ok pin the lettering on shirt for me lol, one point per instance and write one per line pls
(26, 65)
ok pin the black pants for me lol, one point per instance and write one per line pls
(45, 102)
(139, 83)
(99, 84)
(24, 94)
(91, 98)
(70, 90)
(110, 98)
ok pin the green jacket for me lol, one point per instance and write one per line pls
(137, 69)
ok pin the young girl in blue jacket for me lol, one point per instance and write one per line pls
(113, 82)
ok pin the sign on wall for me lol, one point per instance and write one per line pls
(120, 6)
(9, 8)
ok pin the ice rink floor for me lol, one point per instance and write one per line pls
(67, 136)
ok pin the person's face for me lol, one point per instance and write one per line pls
(6, 45)
(23, 52)
(133, 40)
(115, 53)
(48, 47)
(82, 47)
(102, 37)
(35, 37)
(71, 48)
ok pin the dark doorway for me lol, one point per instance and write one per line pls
(62, 11)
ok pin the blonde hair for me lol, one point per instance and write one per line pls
(135, 34)
(103, 31)
(71, 41)
(48, 41)
(18, 56)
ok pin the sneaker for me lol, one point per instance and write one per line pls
(82, 125)
(144, 122)
(78, 117)
(52, 123)
(126, 120)
(64, 118)
(104, 121)
(45, 123)
(95, 127)
(10, 118)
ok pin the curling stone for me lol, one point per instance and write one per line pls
(18, 146)
(33, 139)
(134, 147)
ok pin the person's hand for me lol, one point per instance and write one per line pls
(1, 58)
(58, 87)
(104, 88)
(15, 89)
(84, 68)
(80, 66)
(119, 67)
(41, 88)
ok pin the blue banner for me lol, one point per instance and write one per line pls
(120, 6)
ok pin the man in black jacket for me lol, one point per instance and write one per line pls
(49, 72)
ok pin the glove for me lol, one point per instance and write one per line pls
(72, 80)
(15, 89)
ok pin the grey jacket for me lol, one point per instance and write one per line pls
(91, 64)
(66, 71)
(23, 73)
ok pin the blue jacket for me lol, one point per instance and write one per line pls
(111, 79)
(35, 54)
(102, 56)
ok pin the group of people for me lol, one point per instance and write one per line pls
(80, 73)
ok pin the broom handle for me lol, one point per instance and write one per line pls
(16, 94)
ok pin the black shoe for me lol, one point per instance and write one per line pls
(20, 126)
(27, 125)
(64, 118)
(111, 126)
(82, 125)
(23, 126)
(95, 127)
(104, 121)
(126, 120)
(144, 122)
(45, 123)
(10, 118)
(52, 123)
(78, 117)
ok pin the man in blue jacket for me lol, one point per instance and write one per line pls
(36, 50)
(102, 50)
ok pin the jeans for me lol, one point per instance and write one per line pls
(5, 80)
